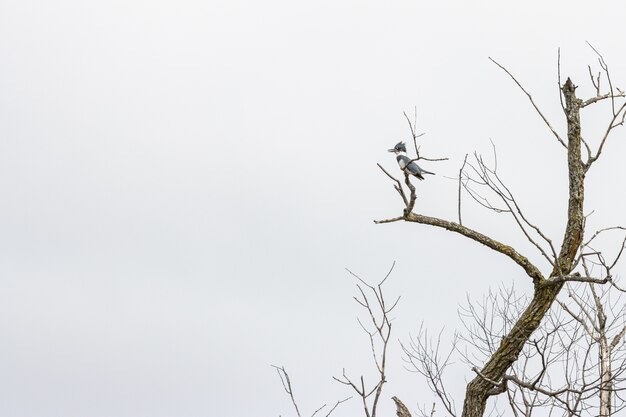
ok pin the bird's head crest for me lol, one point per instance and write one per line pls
(400, 146)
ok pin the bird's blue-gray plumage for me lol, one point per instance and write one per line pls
(405, 162)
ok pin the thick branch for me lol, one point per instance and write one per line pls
(519, 259)
(575, 218)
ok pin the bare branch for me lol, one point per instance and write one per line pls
(580, 278)
(415, 136)
(601, 97)
(412, 126)
(378, 338)
(618, 115)
(392, 220)
(339, 402)
(284, 379)
(612, 125)
(506, 250)
(397, 185)
(558, 71)
(556, 135)
(459, 196)
(605, 68)
(426, 359)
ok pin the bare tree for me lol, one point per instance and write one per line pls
(564, 369)
(604, 328)
(378, 327)
(379, 333)
(565, 262)
(564, 366)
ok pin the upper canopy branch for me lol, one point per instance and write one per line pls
(618, 111)
(545, 120)
(616, 121)
(415, 136)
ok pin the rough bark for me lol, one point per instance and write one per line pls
(546, 290)
(401, 410)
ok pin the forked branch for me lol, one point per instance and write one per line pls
(286, 382)
(372, 299)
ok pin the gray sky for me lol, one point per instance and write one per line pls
(183, 184)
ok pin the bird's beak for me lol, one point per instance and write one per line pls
(391, 150)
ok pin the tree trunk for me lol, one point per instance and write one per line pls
(546, 290)
(606, 385)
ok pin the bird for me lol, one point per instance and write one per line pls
(405, 162)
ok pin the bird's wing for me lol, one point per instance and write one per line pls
(413, 167)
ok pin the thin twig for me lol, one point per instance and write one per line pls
(532, 102)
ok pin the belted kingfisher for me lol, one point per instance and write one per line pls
(403, 160)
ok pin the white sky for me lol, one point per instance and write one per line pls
(182, 184)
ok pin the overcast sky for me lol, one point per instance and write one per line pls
(183, 183)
